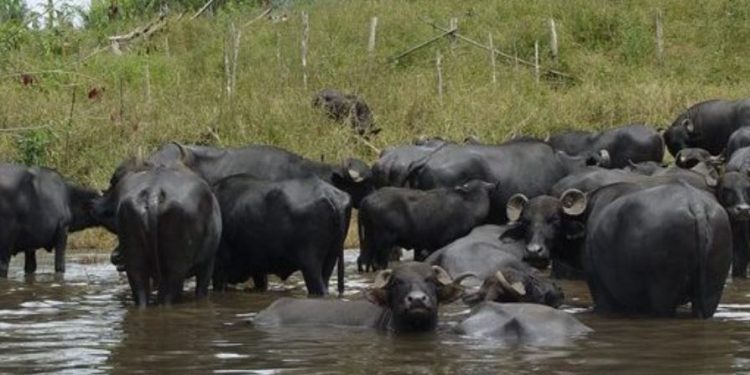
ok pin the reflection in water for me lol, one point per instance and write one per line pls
(85, 323)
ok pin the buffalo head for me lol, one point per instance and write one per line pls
(544, 221)
(412, 292)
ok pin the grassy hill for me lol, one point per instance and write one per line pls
(172, 86)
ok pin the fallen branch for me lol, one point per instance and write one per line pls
(265, 13)
(368, 144)
(143, 31)
(424, 44)
(202, 9)
(496, 51)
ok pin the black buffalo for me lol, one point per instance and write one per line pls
(616, 147)
(707, 125)
(527, 167)
(421, 220)
(739, 139)
(264, 162)
(653, 249)
(168, 226)
(38, 208)
(733, 193)
(343, 107)
(550, 228)
(402, 299)
(279, 227)
(506, 278)
(522, 324)
(395, 163)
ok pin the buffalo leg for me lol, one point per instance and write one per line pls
(740, 243)
(140, 289)
(4, 262)
(203, 278)
(170, 290)
(260, 282)
(62, 240)
(29, 261)
(314, 282)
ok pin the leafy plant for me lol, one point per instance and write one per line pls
(32, 146)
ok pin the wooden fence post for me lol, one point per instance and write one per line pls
(553, 40)
(305, 37)
(492, 59)
(659, 37)
(439, 67)
(536, 60)
(453, 38)
(371, 39)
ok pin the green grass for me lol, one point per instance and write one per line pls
(608, 46)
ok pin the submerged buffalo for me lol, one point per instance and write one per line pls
(522, 324)
(38, 208)
(168, 226)
(343, 107)
(498, 264)
(402, 299)
(279, 227)
(615, 147)
(421, 220)
(707, 125)
(649, 250)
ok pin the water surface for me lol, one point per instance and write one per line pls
(84, 323)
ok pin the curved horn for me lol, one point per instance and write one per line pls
(547, 137)
(458, 279)
(382, 279)
(515, 206)
(184, 155)
(354, 174)
(442, 276)
(516, 289)
(605, 158)
(574, 202)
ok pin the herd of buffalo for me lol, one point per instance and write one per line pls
(482, 220)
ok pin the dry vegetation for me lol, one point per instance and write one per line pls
(172, 87)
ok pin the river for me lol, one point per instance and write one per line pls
(84, 323)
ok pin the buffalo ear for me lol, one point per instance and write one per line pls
(377, 296)
(379, 292)
(514, 207)
(689, 126)
(573, 202)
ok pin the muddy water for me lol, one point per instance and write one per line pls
(84, 323)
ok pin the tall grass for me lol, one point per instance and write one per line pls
(608, 46)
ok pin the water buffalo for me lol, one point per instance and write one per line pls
(740, 161)
(550, 228)
(689, 157)
(280, 227)
(168, 225)
(617, 147)
(38, 208)
(527, 167)
(421, 220)
(522, 324)
(739, 139)
(343, 107)
(402, 299)
(395, 163)
(653, 249)
(265, 162)
(707, 125)
(733, 193)
(498, 263)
